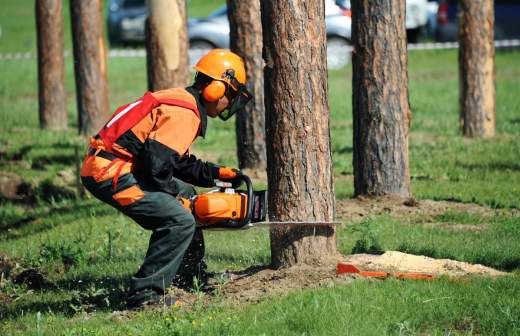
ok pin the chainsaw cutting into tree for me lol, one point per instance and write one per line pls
(230, 208)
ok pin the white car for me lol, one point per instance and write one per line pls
(416, 16)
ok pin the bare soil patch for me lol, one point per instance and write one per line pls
(12, 271)
(252, 285)
(12, 187)
(357, 209)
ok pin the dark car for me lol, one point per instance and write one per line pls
(507, 20)
(126, 20)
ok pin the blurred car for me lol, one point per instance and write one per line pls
(431, 25)
(126, 20)
(507, 18)
(416, 20)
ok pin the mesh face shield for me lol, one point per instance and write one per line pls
(238, 98)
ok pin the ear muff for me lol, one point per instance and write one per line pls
(214, 91)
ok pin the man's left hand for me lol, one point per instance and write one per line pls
(230, 175)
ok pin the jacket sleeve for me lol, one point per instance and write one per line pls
(161, 163)
(165, 151)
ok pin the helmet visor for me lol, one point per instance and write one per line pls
(238, 99)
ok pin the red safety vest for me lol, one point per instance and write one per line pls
(127, 116)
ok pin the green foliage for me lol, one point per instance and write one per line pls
(68, 253)
(369, 241)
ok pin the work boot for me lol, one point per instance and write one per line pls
(220, 277)
(149, 297)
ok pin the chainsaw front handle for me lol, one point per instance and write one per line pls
(249, 207)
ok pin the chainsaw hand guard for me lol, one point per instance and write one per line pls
(231, 175)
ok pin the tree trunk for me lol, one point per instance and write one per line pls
(381, 111)
(246, 40)
(299, 160)
(166, 44)
(89, 65)
(51, 70)
(477, 68)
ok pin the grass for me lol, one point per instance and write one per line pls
(492, 242)
(89, 251)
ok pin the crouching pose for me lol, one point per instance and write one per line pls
(139, 162)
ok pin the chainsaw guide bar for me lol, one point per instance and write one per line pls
(290, 223)
(280, 224)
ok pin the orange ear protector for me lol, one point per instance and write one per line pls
(214, 91)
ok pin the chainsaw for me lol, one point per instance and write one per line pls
(230, 208)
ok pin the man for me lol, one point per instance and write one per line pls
(139, 162)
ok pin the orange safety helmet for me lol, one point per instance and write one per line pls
(225, 67)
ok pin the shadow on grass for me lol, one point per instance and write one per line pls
(506, 264)
(252, 270)
(16, 156)
(9, 228)
(492, 204)
(509, 264)
(22, 152)
(422, 178)
(41, 162)
(498, 166)
(87, 294)
(235, 260)
(344, 150)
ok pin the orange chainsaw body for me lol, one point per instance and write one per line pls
(227, 207)
(214, 208)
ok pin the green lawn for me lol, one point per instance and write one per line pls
(89, 251)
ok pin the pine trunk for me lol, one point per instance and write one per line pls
(89, 65)
(51, 70)
(299, 162)
(477, 68)
(167, 44)
(246, 40)
(381, 112)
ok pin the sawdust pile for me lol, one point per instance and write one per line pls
(393, 261)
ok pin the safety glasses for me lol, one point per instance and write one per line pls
(238, 98)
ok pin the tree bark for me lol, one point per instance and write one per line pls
(51, 69)
(90, 66)
(166, 44)
(381, 111)
(246, 40)
(477, 68)
(299, 160)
